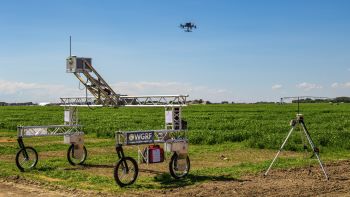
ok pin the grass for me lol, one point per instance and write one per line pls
(248, 135)
(98, 172)
(257, 125)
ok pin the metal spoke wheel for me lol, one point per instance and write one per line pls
(179, 167)
(26, 158)
(126, 171)
(74, 157)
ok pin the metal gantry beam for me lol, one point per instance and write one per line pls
(79, 101)
(131, 101)
(51, 130)
(153, 101)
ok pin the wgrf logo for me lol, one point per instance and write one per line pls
(140, 137)
(131, 137)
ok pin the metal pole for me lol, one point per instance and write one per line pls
(279, 151)
(70, 46)
(138, 155)
(298, 105)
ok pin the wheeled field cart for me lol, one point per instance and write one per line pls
(73, 135)
(126, 169)
(27, 157)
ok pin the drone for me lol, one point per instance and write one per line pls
(188, 26)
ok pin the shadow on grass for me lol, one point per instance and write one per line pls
(97, 166)
(46, 168)
(151, 171)
(168, 182)
(88, 166)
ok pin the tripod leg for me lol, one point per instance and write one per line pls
(305, 141)
(279, 151)
(314, 148)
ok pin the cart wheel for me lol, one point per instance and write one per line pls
(26, 158)
(73, 160)
(179, 167)
(126, 171)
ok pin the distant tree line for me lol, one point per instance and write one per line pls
(28, 104)
(342, 99)
(17, 104)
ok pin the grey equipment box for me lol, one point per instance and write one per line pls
(76, 64)
(178, 146)
(77, 140)
(74, 139)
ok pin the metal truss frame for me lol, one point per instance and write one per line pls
(131, 101)
(50, 130)
(97, 86)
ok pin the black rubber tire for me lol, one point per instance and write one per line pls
(172, 169)
(120, 164)
(71, 161)
(20, 153)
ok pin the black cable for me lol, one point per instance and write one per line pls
(81, 82)
(86, 100)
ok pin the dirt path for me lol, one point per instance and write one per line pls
(24, 188)
(290, 182)
(19, 189)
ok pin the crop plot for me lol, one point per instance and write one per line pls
(228, 143)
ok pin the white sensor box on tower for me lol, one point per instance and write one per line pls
(76, 64)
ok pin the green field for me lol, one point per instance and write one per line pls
(257, 125)
(247, 134)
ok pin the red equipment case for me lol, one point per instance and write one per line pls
(155, 154)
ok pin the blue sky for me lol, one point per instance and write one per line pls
(242, 51)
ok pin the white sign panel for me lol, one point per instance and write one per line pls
(67, 116)
(168, 116)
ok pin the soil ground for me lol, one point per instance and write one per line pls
(289, 182)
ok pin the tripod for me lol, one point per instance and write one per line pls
(299, 120)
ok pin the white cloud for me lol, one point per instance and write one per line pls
(308, 86)
(145, 87)
(335, 85)
(276, 87)
(16, 91)
(20, 91)
(11, 87)
(173, 88)
(340, 85)
(222, 91)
